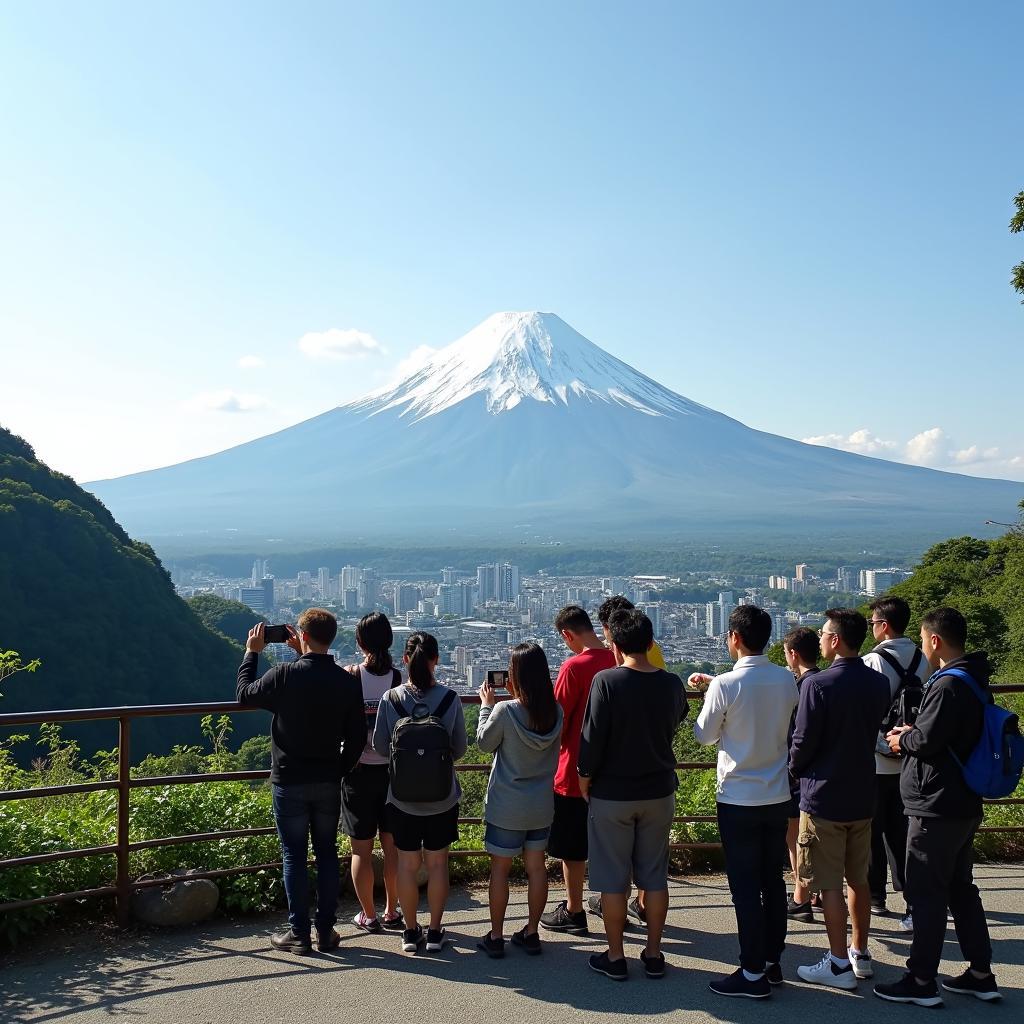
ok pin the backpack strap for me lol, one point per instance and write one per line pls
(968, 679)
(905, 674)
(446, 702)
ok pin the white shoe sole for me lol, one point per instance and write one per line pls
(933, 1002)
(985, 997)
(847, 983)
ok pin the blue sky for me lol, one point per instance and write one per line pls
(794, 213)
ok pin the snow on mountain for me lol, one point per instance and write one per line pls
(516, 357)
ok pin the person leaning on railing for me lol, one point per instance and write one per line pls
(316, 737)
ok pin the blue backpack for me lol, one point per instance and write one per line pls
(994, 767)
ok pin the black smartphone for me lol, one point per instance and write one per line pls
(276, 634)
(497, 678)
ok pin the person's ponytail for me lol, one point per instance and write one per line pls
(420, 652)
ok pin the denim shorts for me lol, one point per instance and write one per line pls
(510, 842)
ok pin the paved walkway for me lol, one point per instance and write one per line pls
(225, 972)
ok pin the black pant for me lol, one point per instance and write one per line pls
(754, 843)
(940, 874)
(888, 837)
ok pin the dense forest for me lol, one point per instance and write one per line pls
(99, 611)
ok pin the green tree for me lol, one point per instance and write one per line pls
(11, 663)
(1017, 226)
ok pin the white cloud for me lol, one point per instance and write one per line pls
(252, 362)
(337, 344)
(415, 360)
(863, 442)
(227, 401)
(933, 448)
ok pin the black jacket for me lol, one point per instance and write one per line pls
(319, 726)
(833, 747)
(951, 718)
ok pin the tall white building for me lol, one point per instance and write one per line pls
(350, 578)
(486, 583)
(324, 582)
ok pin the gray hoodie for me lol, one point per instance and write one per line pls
(520, 792)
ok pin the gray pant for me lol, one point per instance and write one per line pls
(629, 842)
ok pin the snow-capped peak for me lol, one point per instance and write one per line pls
(513, 357)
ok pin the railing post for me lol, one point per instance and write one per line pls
(124, 889)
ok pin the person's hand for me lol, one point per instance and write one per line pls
(293, 641)
(585, 788)
(893, 737)
(488, 698)
(699, 681)
(254, 642)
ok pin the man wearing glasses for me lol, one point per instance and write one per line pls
(900, 660)
(832, 755)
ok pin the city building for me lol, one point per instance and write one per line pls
(802, 571)
(407, 598)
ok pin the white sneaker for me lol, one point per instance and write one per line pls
(827, 972)
(907, 923)
(861, 964)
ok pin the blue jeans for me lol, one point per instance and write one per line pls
(302, 809)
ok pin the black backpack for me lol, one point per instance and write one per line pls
(907, 700)
(421, 752)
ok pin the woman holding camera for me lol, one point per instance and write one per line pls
(364, 791)
(423, 797)
(523, 734)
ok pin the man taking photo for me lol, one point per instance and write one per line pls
(316, 737)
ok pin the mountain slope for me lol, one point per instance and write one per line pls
(98, 608)
(524, 421)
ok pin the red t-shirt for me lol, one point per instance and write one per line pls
(572, 688)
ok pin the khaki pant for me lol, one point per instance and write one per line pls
(829, 851)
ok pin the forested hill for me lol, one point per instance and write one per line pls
(98, 609)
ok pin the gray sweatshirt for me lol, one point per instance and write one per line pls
(520, 790)
(453, 720)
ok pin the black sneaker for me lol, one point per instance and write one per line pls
(878, 906)
(289, 941)
(736, 984)
(773, 972)
(529, 944)
(907, 990)
(614, 969)
(967, 984)
(494, 948)
(560, 920)
(594, 905)
(436, 940)
(327, 940)
(393, 924)
(654, 966)
(412, 938)
(800, 911)
(636, 912)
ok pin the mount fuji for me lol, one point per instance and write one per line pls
(522, 428)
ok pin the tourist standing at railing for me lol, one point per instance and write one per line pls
(833, 756)
(944, 814)
(316, 737)
(627, 771)
(568, 839)
(748, 713)
(901, 661)
(364, 791)
(523, 734)
(800, 648)
(423, 830)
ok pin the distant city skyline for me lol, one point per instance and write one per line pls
(217, 226)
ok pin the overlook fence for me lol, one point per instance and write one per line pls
(122, 849)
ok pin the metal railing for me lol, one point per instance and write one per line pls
(123, 848)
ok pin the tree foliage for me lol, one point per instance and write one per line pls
(1017, 226)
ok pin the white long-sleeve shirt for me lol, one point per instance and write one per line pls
(747, 713)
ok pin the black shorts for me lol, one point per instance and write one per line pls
(364, 806)
(568, 839)
(415, 832)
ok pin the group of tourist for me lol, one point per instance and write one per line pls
(853, 768)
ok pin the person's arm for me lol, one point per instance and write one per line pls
(383, 726)
(491, 729)
(711, 720)
(596, 730)
(460, 741)
(807, 730)
(354, 735)
(936, 726)
(259, 693)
